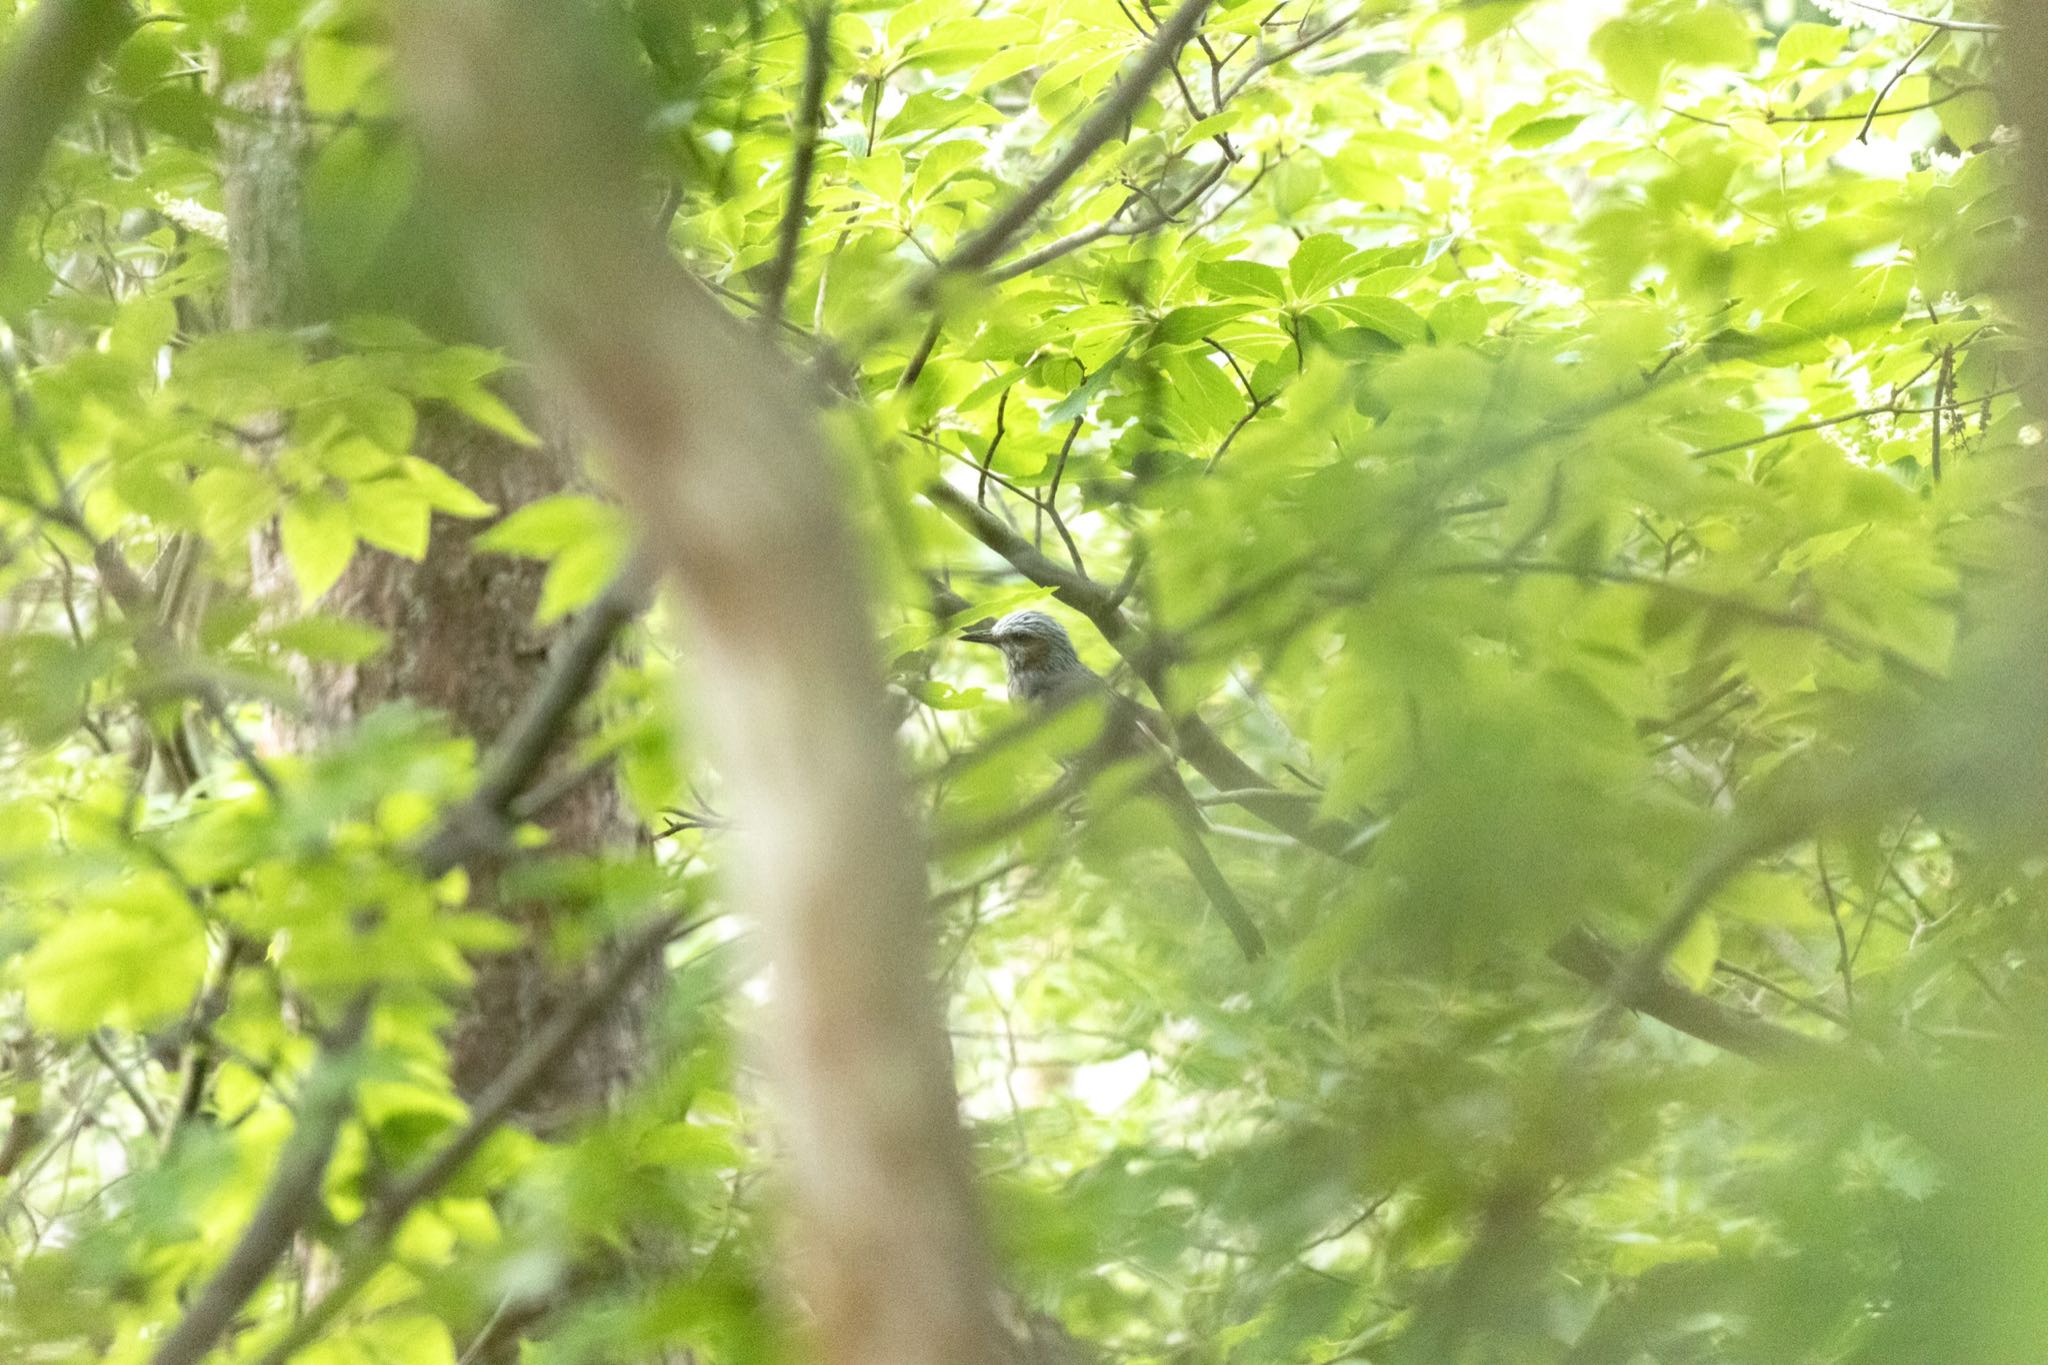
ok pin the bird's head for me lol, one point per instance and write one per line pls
(1030, 641)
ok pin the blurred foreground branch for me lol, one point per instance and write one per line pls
(738, 501)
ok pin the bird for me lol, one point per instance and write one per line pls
(1046, 674)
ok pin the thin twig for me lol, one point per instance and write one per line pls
(817, 25)
(1129, 581)
(1944, 390)
(1048, 503)
(989, 457)
(1843, 962)
(1790, 997)
(136, 1095)
(1896, 111)
(1883, 410)
(1863, 133)
(1957, 25)
(922, 356)
(980, 250)
(1281, 54)
(1114, 227)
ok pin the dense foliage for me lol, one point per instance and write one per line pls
(1574, 451)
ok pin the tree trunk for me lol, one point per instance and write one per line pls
(461, 642)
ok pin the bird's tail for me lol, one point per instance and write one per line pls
(1217, 888)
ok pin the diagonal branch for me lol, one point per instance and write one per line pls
(1280, 54)
(1584, 954)
(979, 251)
(478, 823)
(1159, 217)
(1891, 409)
(291, 1198)
(817, 26)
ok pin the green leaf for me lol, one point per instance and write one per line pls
(1638, 49)
(579, 573)
(1544, 131)
(1633, 56)
(319, 538)
(1970, 119)
(136, 962)
(443, 491)
(1395, 321)
(548, 526)
(1458, 320)
(334, 639)
(1083, 394)
(1810, 44)
(1485, 18)
(1692, 961)
(1242, 280)
(1193, 322)
(359, 189)
(1319, 262)
(391, 514)
(485, 408)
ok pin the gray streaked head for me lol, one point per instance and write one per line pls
(1035, 648)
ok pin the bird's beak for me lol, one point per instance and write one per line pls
(980, 633)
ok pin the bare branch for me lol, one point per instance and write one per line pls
(1863, 133)
(1114, 227)
(1891, 409)
(803, 155)
(1280, 54)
